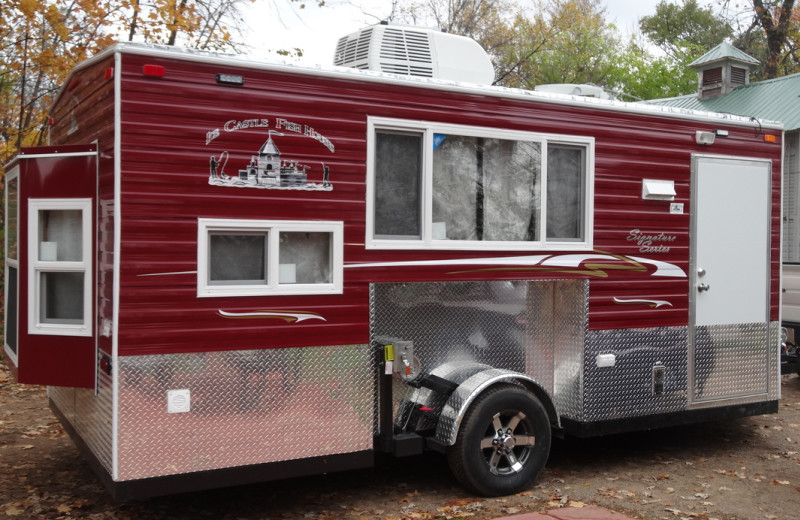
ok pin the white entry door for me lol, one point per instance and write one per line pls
(731, 241)
(729, 290)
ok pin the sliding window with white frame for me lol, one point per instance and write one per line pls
(441, 186)
(268, 257)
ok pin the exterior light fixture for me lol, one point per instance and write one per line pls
(230, 79)
(705, 138)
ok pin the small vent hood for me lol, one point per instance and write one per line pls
(415, 51)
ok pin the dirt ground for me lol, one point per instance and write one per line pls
(747, 469)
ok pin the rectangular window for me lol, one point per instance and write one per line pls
(11, 262)
(566, 176)
(305, 258)
(399, 172)
(456, 187)
(12, 218)
(237, 258)
(263, 257)
(485, 189)
(60, 251)
(11, 311)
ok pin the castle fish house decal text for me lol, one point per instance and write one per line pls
(267, 169)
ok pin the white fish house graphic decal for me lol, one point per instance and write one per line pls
(266, 170)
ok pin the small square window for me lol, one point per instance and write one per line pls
(305, 257)
(61, 298)
(60, 235)
(237, 258)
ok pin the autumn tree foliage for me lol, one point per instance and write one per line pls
(771, 32)
(42, 40)
(560, 41)
(571, 41)
(684, 30)
(197, 24)
(39, 44)
(543, 41)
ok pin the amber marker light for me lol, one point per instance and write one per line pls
(769, 138)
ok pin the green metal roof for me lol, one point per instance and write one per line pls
(721, 52)
(772, 100)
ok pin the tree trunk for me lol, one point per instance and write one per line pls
(173, 34)
(134, 20)
(776, 32)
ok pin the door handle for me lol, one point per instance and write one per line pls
(702, 287)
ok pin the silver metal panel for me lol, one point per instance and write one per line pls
(735, 362)
(89, 414)
(243, 407)
(535, 328)
(570, 324)
(626, 389)
(459, 401)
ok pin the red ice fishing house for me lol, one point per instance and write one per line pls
(229, 271)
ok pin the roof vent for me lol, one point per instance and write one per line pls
(573, 89)
(721, 70)
(415, 51)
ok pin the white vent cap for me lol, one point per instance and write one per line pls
(653, 189)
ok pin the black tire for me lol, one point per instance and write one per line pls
(503, 442)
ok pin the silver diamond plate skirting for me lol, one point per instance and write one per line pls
(183, 413)
(90, 414)
(626, 389)
(723, 365)
(736, 362)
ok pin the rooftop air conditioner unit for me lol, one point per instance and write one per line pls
(415, 51)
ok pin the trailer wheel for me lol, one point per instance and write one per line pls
(503, 442)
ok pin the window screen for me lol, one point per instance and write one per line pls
(237, 258)
(565, 192)
(11, 310)
(61, 298)
(398, 167)
(485, 189)
(12, 195)
(305, 257)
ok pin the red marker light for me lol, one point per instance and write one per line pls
(156, 71)
(109, 73)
